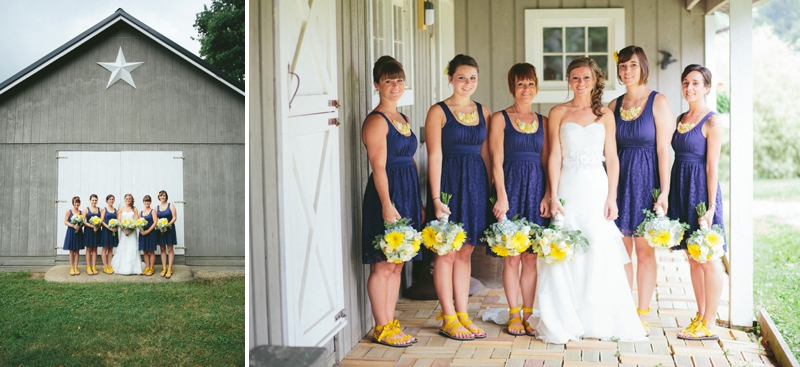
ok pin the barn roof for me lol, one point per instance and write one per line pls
(120, 16)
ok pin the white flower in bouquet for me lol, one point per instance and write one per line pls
(509, 237)
(705, 244)
(77, 219)
(554, 244)
(400, 242)
(128, 224)
(443, 236)
(141, 224)
(658, 230)
(113, 223)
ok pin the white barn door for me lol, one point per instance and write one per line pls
(101, 173)
(313, 281)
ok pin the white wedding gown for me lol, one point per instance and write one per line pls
(588, 297)
(126, 257)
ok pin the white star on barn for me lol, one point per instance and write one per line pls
(120, 69)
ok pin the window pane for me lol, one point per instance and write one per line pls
(575, 39)
(553, 69)
(598, 39)
(569, 59)
(551, 39)
(602, 62)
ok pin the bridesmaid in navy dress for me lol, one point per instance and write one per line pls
(169, 238)
(644, 128)
(519, 154)
(93, 235)
(392, 193)
(458, 161)
(109, 239)
(695, 179)
(147, 239)
(73, 241)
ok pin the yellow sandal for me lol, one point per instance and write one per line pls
(383, 333)
(169, 273)
(463, 317)
(452, 323)
(529, 330)
(396, 324)
(700, 326)
(645, 323)
(515, 319)
(692, 325)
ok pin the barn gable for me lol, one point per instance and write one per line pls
(180, 104)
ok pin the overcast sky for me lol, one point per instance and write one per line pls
(30, 29)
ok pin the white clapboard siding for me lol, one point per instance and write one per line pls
(118, 173)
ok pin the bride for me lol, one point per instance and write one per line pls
(126, 257)
(588, 297)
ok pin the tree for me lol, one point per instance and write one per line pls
(221, 36)
(782, 15)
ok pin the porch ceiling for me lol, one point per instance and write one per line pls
(716, 5)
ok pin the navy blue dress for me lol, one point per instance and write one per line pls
(148, 242)
(169, 237)
(73, 241)
(689, 182)
(403, 191)
(638, 166)
(109, 238)
(464, 175)
(91, 237)
(523, 172)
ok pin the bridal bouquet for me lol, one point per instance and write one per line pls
(443, 236)
(163, 225)
(96, 222)
(77, 219)
(128, 224)
(705, 244)
(658, 230)
(400, 242)
(113, 223)
(141, 224)
(555, 244)
(509, 237)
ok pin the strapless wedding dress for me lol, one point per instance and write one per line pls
(588, 297)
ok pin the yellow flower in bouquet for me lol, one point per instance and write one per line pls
(658, 230)
(555, 245)
(95, 221)
(113, 223)
(705, 244)
(443, 236)
(508, 237)
(400, 242)
(558, 253)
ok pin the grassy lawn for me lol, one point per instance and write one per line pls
(783, 189)
(776, 260)
(196, 323)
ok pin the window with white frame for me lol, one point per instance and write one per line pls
(555, 37)
(392, 34)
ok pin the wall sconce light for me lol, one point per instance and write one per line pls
(424, 14)
(429, 12)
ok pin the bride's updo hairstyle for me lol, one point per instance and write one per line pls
(387, 68)
(460, 60)
(599, 82)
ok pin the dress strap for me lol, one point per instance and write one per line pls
(404, 116)
(705, 118)
(447, 114)
(372, 113)
(479, 110)
(649, 105)
(508, 119)
(616, 106)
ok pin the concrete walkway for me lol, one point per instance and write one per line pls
(60, 274)
(673, 307)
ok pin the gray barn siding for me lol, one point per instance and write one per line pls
(495, 37)
(213, 177)
(66, 107)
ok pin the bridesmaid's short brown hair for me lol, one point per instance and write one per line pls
(146, 199)
(165, 194)
(626, 54)
(522, 71)
(76, 199)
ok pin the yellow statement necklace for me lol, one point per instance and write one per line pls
(526, 127)
(467, 118)
(631, 113)
(685, 127)
(403, 127)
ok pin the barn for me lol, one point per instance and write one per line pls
(121, 109)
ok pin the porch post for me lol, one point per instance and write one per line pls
(741, 133)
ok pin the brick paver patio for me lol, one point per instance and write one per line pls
(673, 307)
